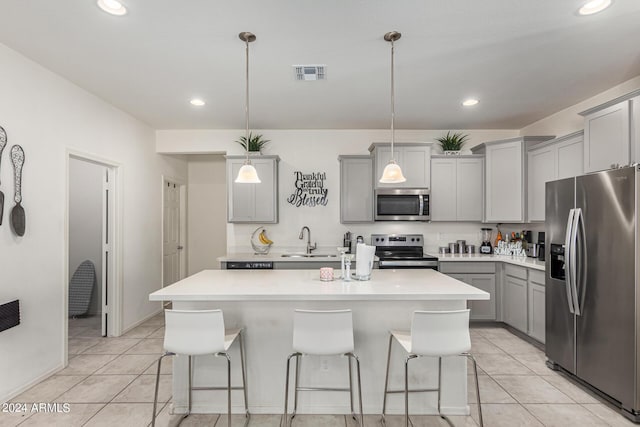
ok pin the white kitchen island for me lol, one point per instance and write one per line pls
(263, 301)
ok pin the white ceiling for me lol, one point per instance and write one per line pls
(523, 59)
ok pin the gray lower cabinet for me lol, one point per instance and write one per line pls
(536, 305)
(480, 275)
(514, 302)
(253, 203)
(356, 189)
(523, 302)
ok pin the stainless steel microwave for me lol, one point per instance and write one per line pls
(402, 204)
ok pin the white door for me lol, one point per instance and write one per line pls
(171, 234)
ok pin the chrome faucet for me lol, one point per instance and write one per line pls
(310, 247)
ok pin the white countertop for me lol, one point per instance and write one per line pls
(528, 262)
(279, 285)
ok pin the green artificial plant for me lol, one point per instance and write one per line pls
(452, 142)
(256, 142)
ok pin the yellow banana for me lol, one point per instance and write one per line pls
(264, 239)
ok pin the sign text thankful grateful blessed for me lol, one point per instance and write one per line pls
(309, 190)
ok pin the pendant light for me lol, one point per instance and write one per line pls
(392, 173)
(247, 173)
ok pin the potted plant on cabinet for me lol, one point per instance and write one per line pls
(452, 143)
(256, 143)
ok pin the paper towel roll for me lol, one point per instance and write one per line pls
(364, 260)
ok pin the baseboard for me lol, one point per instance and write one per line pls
(30, 384)
(140, 322)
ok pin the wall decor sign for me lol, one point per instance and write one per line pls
(309, 189)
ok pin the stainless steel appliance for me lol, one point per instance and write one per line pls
(541, 243)
(485, 246)
(402, 204)
(402, 251)
(592, 278)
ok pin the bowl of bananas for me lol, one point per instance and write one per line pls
(260, 242)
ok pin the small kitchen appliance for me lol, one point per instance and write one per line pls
(485, 247)
(541, 246)
(402, 251)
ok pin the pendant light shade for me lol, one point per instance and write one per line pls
(247, 173)
(392, 173)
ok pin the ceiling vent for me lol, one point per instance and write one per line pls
(310, 72)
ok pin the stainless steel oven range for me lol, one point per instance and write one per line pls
(402, 251)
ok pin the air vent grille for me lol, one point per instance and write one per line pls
(310, 72)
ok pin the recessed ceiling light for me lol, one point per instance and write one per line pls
(197, 102)
(113, 7)
(470, 102)
(594, 6)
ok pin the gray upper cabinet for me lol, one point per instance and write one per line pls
(555, 159)
(611, 134)
(413, 158)
(356, 189)
(505, 177)
(253, 203)
(456, 189)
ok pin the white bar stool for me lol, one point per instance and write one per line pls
(197, 333)
(436, 334)
(322, 333)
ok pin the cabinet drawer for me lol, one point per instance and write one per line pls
(514, 271)
(467, 267)
(536, 276)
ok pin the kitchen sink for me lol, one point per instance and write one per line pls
(309, 256)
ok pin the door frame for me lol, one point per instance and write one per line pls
(182, 227)
(114, 286)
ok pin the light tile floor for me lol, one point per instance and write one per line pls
(110, 381)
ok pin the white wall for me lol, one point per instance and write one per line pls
(206, 212)
(85, 222)
(318, 150)
(48, 115)
(569, 120)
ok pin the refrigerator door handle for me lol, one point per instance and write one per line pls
(567, 260)
(577, 214)
(580, 285)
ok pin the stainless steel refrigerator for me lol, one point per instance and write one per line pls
(592, 298)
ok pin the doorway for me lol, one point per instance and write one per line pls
(173, 231)
(91, 297)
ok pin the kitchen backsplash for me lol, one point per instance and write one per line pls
(328, 234)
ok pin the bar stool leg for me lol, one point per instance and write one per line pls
(439, 385)
(475, 374)
(386, 383)
(244, 377)
(228, 391)
(353, 414)
(297, 380)
(361, 420)
(155, 396)
(406, 389)
(285, 416)
(190, 383)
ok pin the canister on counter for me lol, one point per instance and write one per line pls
(471, 249)
(453, 248)
(462, 244)
(443, 250)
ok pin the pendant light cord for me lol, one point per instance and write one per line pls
(393, 101)
(246, 105)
